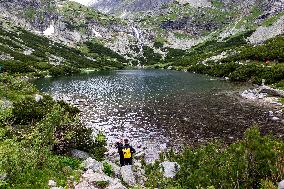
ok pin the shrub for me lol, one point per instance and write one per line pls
(244, 164)
(62, 70)
(108, 169)
(101, 184)
(16, 67)
(30, 165)
(28, 110)
(64, 132)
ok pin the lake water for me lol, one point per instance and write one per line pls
(159, 106)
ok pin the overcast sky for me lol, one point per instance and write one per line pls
(84, 2)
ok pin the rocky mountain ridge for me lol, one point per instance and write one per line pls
(150, 26)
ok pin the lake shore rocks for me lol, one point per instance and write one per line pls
(79, 154)
(92, 164)
(169, 169)
(281, 185)
(92, 180)
(128, 175)
(268, 97)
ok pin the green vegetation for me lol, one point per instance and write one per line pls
(243, 73)
(108, 169)
(243, 62)
(78, 16)
(182, 36)
(36, 136)
(150, 57)
(254, 162)
(272, 50)
(102, 184)
(43, 52)
(270, 21)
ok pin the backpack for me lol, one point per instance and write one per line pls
(126, 152)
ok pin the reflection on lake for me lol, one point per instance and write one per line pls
(159, 105)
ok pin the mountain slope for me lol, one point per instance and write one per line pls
(152, 29)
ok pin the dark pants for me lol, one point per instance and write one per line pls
(121, 160)
(128, 161)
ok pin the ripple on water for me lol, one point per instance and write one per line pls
(159, 106)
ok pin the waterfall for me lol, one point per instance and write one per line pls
(137, 34)
(139, 37)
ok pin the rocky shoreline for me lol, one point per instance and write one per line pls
(135, 175)
(269, 97)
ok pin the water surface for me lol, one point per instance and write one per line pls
(159, 106)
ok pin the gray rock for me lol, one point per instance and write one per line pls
(281, 185)
(275, 118)
(152, 153)
(51, 183)
(139, 155)
(79, 154)
(271, 91)
(3, 176)
(5, 104)
(89, 178)
(94, 165)
(38, 97)
(128, 175)
(170, 169)
(116, 169)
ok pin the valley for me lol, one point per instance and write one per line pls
(197, 87)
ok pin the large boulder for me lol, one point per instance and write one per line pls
(79, 154)
(152, 153)
(94, 165)
(116, 169)
(170, 169)
(139, 155)
(271, 91)
(51, 183)
(281, 185)
(90, 180)
(3, 176)
(128, 175)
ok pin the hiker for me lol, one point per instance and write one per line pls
(119, 146)
(128, 152)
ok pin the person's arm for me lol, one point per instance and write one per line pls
(132, 150)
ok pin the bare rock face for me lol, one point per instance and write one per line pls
(196, 3)
(118, 6)
(264, 33)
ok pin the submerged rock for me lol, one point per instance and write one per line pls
(170, 169)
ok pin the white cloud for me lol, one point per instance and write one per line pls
(83, 2)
